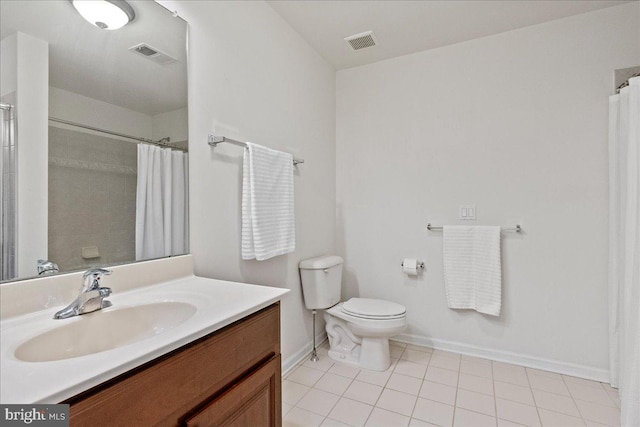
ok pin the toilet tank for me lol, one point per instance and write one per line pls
(321, 281)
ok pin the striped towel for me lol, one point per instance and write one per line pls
(268, 221)
(472, 272)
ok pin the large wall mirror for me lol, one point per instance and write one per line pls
(93, 162)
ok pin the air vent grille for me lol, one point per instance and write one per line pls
(361, 41)
(152, 54)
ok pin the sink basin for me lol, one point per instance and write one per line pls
(104, 330)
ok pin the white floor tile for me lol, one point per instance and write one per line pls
(505, 423)
(396, 401)
(582, 381)
(416, 356)
(306, 376)
(293, 392)
(374, 377)
(464, 418)
(517, 412)
(516, 393)
(405, 384)
(396, 351)
(476, 359)
(433, 412)
(404, 367)
(477, 402)
(588, 393)
(318, 401)
(599, 413)
(556, 402)
(300, 418)
(351, 412)
(552, 385)
(442, 376)
(286, 408)
(419, 423)
(479, 369)
(445, 362)
(328, 422)
(333, 383)
(344, 370)
(382, 418)
(397, 343)
(438, 392)
(474, 383)
(543, 373)
(434, 388)
(439, 353)
(419, 348)
(510, 374)
(323, 364)
(363, 392)
(554, 419)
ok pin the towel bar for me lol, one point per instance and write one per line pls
(214, 140)
(517, 228)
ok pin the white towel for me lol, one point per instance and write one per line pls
(268, 221)
(472, 272)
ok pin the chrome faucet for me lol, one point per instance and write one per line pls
(46, 267)
(91, 296)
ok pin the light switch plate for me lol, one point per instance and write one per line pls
(467, 213)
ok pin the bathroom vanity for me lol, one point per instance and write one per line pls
(229, 377)
(173, 349)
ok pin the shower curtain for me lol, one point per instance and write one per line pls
(8, 226)
(162, 227)
(624, 249)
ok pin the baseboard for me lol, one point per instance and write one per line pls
(529, 361)
(292, 361)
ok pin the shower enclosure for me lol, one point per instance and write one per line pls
(7, 193)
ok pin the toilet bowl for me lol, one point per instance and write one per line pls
(359, 331)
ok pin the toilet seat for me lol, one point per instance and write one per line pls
(368, 308)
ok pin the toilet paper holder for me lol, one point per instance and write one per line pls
(420, 265)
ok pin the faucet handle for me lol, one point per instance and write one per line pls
(91, 278)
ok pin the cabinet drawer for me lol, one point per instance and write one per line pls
(254, 401)
(162, 391)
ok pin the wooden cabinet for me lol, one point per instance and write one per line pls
(231, 377)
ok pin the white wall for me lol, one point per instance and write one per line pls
(517, 124)
(77, 108)
(25, 69)
(172, 124)
(252, 76)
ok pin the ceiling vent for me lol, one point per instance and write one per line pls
(361, 41)
(152, 54)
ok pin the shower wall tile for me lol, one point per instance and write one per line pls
(91, 207)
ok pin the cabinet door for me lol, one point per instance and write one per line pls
(255, 401)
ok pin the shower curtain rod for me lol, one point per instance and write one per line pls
(161, 143)
(626, 82)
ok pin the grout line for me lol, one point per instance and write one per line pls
(534, 397)
(495, 398)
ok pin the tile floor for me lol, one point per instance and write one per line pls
(425, 387)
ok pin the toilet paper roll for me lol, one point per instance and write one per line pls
(410, 266)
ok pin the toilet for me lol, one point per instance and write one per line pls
(358, 329)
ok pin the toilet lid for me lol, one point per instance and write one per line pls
(373, 308)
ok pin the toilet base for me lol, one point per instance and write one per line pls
(361, 352)
(373, 354)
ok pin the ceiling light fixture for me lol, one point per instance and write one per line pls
(105, 14)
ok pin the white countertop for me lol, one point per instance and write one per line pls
(218, 303)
